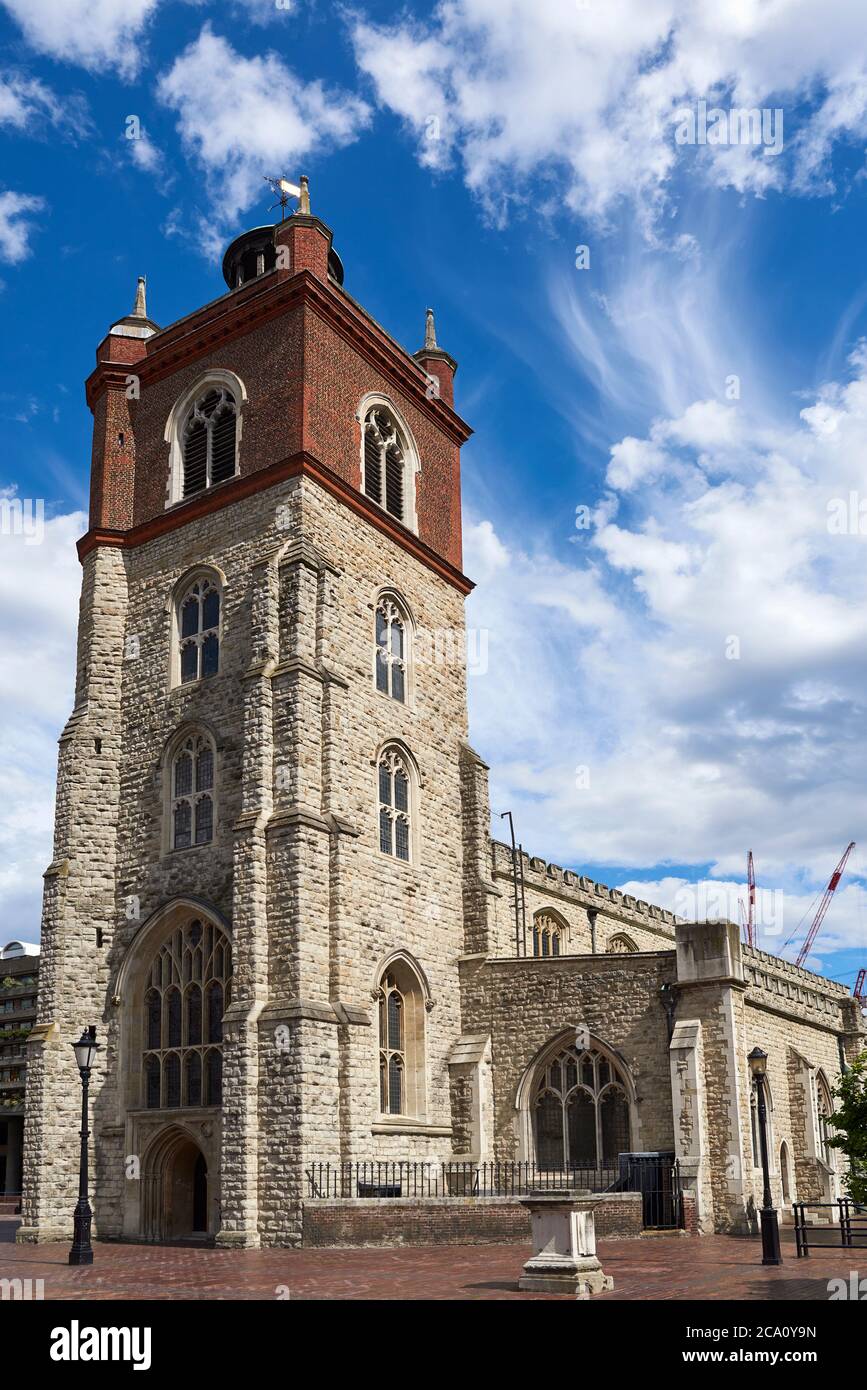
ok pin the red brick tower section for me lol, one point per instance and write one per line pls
(307, 354)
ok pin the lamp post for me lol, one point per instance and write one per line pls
(758, 1061)
(82, 1252)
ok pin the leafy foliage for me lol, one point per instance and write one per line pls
(850, 1121)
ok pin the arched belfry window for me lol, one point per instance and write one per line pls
(394, 780)
(192, 768)
(548, 935)
(402, 1010)
(198, 629)
(392, 648)
(581, 1110)
(209, 440)
(388, 463)
(203, 432)
(182, 1062)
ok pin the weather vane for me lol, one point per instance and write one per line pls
(283, 190)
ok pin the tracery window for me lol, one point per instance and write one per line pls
(198, 619)
(182, 1061)
(392, 1044)
(581, 1111)
(391, 648)
(208, 440)
(824, 1110)
(385, 462)
(395, 789)
(621, 944)
(192, 795)
(547, 935)
(402, 1008)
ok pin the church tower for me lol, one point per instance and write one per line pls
(256, 892)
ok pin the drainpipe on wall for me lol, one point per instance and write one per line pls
(669, 1003)
(591, 917)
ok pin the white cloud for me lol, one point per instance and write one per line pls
(27, 105)
(39, 585)
(97, 34)
(15, 229)
(241, 117)
(705, 659)
(529, 91)
(145, 155)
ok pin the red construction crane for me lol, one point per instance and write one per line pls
(823, 906)
(859, 992)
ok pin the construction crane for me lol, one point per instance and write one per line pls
(823, 906)
(860, 990)
(749, 919)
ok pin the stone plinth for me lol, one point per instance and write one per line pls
(564, 1246)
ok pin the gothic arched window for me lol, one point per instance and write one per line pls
(392, 648)
(401, 1041)
(176, 1058)
(395, 804)
(198, 629)
(209, 440)
(547, 935)
(192, 792)
(824, 1110)
(581, 1111)
(621, 944)
(386, 467)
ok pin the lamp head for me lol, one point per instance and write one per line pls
(758, 1061)
(86, 1048)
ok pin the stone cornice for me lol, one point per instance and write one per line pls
(297, 465)
(236, 314)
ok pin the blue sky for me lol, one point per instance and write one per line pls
(680, 679)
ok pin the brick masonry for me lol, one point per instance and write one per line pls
(448, 1221)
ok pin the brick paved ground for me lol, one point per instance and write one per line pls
(661, 1267)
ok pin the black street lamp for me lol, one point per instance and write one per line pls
(758, 1061)
(82, 1252)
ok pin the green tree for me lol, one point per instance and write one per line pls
(850, 1122)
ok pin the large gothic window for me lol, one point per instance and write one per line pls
(392, 655)
(192, 792)
(198, 627)
(581, 1111)
(395, 809)
(208, 440)
(182, 1061)
(385, 463)
(547, 935)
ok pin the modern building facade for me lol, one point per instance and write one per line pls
(274, 888)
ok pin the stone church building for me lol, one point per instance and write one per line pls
(274, 888)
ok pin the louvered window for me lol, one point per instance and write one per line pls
(209, 441)
(177, 1059)
(385, 463)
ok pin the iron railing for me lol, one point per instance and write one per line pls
(846, 1230)
(654, 1175)
(406, 1179)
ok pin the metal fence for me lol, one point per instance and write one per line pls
(654, 1175)
(405, 1179)
(845, 1229)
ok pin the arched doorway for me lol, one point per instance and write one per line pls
(176, 1190)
